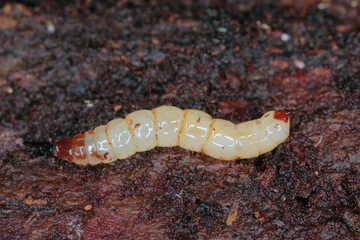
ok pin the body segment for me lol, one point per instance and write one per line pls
(221, 141)
(168, 126)
(194, 130)
(142, 128)
(121, 138)
(169, 120)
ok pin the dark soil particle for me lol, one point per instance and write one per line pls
(68, 66)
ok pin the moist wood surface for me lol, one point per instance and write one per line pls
(69, 66)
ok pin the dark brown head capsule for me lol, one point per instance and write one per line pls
(282, 115)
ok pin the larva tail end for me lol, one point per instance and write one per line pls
(44, 147)
(64, 149)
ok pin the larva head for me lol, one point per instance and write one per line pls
(276, 124)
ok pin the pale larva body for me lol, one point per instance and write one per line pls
(168, 126)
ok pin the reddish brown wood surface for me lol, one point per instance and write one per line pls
(68, 66)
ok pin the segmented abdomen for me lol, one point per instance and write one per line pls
(168, 126)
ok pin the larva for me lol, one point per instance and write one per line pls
(168, 126)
